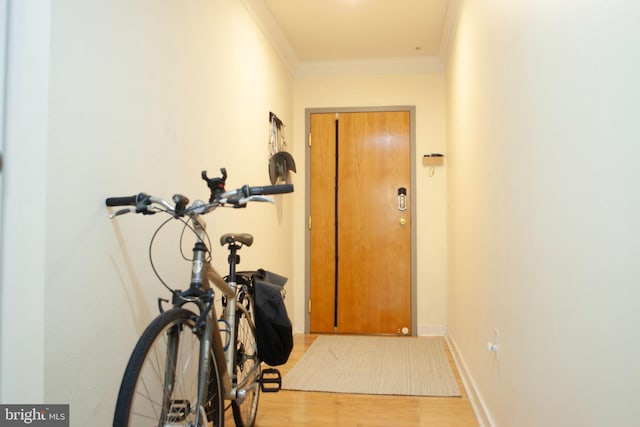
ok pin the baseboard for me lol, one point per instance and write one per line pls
(423, 331)
(432, 330)
(478, 405)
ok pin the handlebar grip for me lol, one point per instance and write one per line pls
(271, 189)
(121, 201)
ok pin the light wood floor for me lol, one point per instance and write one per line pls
(298, 408)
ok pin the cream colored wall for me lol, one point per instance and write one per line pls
(425, 91)
(23, 201)
(544, 237)
(127, 97)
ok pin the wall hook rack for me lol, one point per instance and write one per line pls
(433, 159)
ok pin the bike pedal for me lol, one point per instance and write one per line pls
(270, 380)
(178, 410)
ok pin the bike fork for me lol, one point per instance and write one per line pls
(203, 370)
(170, 372)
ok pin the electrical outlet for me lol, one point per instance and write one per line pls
(494, 344)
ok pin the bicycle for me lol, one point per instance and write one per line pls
(182, 369)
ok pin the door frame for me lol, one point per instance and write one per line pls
(307, 124)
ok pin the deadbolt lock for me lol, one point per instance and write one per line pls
(402, 199)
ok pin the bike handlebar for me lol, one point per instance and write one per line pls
(121, 201)
(237, 198)
(271, 189)
(246, 191)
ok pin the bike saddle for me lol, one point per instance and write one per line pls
(244, 238)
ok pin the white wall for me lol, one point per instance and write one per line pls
(426, 92)
(544, 237)
(141, 96)
(23, 204)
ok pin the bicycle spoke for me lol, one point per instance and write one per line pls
(161, 381)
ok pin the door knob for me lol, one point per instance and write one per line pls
(403, 221)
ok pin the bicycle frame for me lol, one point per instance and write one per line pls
(203, 275)
(182, 394)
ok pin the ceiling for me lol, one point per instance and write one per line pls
(317, 35)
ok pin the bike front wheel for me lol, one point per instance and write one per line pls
(247, 365)
(160, 384)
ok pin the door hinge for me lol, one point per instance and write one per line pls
(309, 222)
(309, 139)
(309, 305)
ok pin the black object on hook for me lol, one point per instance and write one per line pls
(279, 166)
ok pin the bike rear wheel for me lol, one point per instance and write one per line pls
(247, 366)
(160, 384)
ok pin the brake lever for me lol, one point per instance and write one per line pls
(121, 212)
(131, 210)
(255, 198)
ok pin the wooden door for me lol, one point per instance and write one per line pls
(361, 278)
(322, 223)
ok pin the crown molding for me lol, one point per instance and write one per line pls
(369, 66)
(451, 20)
(271, 30)
(364, 66)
